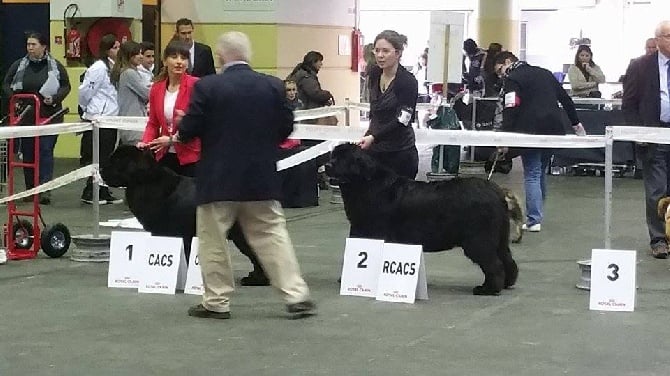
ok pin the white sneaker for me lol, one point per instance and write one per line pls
(3, 256)
(534, 228)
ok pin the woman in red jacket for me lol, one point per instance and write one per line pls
(168, 101)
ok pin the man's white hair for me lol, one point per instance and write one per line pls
(661, 25)
(236, 45)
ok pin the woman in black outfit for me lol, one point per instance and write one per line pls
(393, 95)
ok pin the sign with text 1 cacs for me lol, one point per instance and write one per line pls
(194, 275)
(403, 274)
(613, 279)
(360, 270)
(126, 252)
(163, 266)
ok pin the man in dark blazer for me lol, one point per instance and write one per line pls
(202, 61)
(241, 117)
(646, 103)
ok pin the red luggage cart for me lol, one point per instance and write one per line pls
(20, 234)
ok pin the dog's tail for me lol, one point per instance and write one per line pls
(515, 215)
(662, 207)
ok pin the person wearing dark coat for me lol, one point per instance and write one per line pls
(530, 98)
(645, 103)
(30, 75)
(237, 177)
(201, 61)
(393, 96)
(305, 75)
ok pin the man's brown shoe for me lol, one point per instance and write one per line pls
(202, 312)
(659, 251)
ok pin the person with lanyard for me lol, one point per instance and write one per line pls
(168, 99)
(393, 96)
(40, 74)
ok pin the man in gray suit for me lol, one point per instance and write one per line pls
(241, 117)
(646, 102)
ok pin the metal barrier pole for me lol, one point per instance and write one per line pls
(347, 113)
(609, 146)
(474, 121)
(96, 184)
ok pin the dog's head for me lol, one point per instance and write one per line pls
(126, 165)
(348, 162)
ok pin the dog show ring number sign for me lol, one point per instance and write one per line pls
(613, 278)
(403, 274)
(163, 266)
(125, 258)
(194, 275)
(361, 267)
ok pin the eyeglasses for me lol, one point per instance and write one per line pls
(665, 37)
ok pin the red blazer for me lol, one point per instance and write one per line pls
(157, 124)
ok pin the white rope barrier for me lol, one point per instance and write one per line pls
(81, 173)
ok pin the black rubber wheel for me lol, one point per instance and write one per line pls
(23, 234)
(55, 240)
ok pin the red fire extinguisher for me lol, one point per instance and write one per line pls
(73, 43)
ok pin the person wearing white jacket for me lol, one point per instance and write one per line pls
(98, 97)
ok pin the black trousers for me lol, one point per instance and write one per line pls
(171, 161)
(107, 145)
(403, 162)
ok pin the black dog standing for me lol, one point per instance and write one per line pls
(164, 202)
(467, 212)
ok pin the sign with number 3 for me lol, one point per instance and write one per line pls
(613, 275)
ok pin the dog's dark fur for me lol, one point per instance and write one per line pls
(164, 202)
(468, 212)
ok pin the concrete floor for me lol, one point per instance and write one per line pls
(57, 317)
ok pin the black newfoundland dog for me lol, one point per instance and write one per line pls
(164, 202)
(472, 213)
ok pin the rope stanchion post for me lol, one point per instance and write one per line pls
(347, 113)
(474, 121)
(609, 147)
(93, 247)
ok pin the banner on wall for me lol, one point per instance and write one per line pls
(249, 5)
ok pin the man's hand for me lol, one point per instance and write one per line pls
(366, 141)
(579, 129)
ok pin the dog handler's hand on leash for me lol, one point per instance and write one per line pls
(141, 145)
(366, 141)
(160, 142)
(579, 129)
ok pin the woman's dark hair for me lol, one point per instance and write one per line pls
(41, 38)
(126, 52)
(398, 41)
(578, 64)
(106, 43)
(491, 53)
(470, 46)
(173, 49)
(501, 57)
(308, 62)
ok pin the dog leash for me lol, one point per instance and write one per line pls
(493, 167)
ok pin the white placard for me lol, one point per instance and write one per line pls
(403, 276)
(163, 266)
(194, 275)
(613, 276)
(361, 267)
(126, 252)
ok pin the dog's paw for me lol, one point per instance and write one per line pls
(483, 290)
(662, 207)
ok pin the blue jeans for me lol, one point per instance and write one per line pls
(47, 145)
(535, 164)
